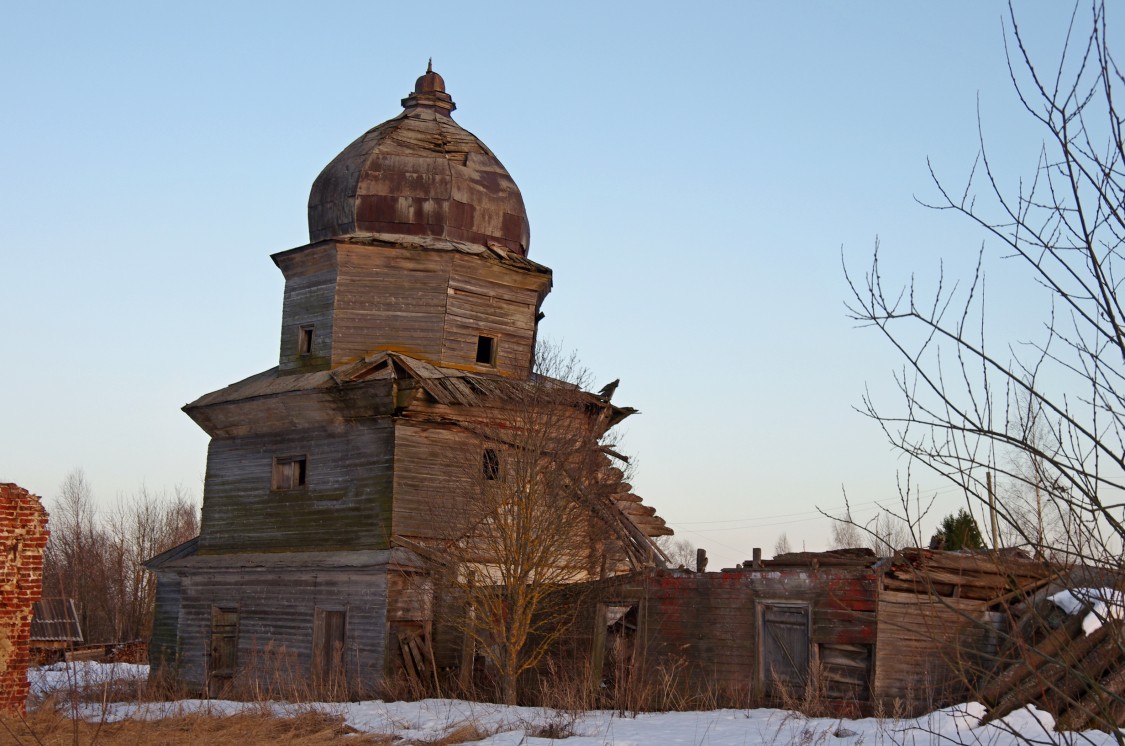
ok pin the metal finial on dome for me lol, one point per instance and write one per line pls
(429, 90)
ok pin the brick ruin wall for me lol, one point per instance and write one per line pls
(23, 537)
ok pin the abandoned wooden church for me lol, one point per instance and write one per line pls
(336, 478)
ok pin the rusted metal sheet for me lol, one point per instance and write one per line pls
(420, 174)
(55, 620)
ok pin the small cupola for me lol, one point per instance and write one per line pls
(429, 90)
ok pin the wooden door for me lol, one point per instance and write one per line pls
(783, 644)
(328, 647)
(223, 659)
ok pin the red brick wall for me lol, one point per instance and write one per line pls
(23, 535)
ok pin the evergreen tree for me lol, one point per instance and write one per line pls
(960, 531)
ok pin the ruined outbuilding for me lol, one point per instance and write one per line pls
(858, 633)
(408, 321)
(23, 537)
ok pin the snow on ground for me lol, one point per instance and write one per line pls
(80, 675)
(515, 726)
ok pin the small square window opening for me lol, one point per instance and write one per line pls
(486, 350)
(305, 341)
(490, 464)
(290, 472)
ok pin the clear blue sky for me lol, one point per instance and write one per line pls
(692, 172)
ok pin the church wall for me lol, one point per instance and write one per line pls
(165, 621)
(432, 468)
(310, 292)
(389, 299)
(277, 607)
(345, 503)
(493, 300)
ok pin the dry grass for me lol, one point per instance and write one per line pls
(48, 727)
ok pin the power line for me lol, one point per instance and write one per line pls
(770, 517)
(814, 514)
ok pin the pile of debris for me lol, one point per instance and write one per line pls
(1065, 658)
(979, 575)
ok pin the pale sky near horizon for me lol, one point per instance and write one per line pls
(693, 173)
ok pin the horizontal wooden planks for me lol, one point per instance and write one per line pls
(344, 505)
(278, 607)
(921, 638)
(433, 469)
(708, 623)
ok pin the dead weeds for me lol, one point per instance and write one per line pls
(46, 727)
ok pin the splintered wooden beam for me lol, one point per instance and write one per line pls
(1102, 707)
(1031, 659)
(1086, 672)
(1044, 679)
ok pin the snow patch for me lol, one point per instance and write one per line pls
(1101, 605)
(430, 719)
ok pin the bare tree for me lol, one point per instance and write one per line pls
(892, 528)
(680, 552)
(964, 411)
(73, 563)
(98, 561)
(140, 527)
(782, 546)
(1043, 414)
(845, 533)
(534, 516)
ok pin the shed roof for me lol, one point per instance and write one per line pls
(55, 620)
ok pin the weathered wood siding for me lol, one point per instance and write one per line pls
(389, 298)
(344, 505)
(429, 304)
(495, 301)
(278, 606)
(165, 622)
(309, 300)
(926, 648)
(707, 624)
(430, 478)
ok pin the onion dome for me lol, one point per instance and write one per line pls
(420, 174)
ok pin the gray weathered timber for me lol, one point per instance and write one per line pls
(430, 300)
(708, 625)
(162, 647)
(346, 503)
(927, 647)
(276, 611)
(309, 300)
(430, 478)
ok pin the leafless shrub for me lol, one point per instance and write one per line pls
(97, 560)
(529, 515)
(1030, 430)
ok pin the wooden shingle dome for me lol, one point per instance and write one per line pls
(420, 174)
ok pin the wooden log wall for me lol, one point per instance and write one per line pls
(389, 298)
(430, 304)
(929, 648)
(431, 476)
(345, 504)
(309, 300)
(486, 298)
(708, 624)
(162, 653)
(278, 605)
